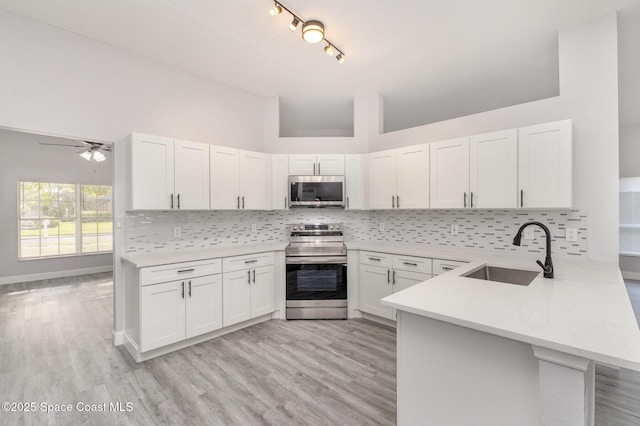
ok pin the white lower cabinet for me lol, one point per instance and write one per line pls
(180, 308)
(248, 287)
(383, 274)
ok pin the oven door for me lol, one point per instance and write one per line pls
(316, 278)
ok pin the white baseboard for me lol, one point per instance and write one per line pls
(118, 337)
(55, 274)
(631, 275)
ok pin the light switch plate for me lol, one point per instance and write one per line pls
(254, 227)
(454, 229)
(381, 226)
(529, 233)
(177, 232)
(571, 235)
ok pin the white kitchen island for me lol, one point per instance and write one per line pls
(487, 353)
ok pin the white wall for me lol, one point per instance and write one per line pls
(56, 82)
(630, 151)
(588, 95)
(23, 158)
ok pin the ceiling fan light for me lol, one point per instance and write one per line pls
(98, 156)
(86, 154)
(275, 10)
(294, 24)
(340, 58)
(328, 50)
(313, 31)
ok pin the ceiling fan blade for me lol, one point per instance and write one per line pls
(98, 145)
(62, 144)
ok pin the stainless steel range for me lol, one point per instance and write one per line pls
(316, 261)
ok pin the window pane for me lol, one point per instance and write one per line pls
(89, 243)
(49, 246)
(105, 242)
(96, 218)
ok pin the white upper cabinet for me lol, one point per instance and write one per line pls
(353, 170)
(279, 182)
(399, 178)
(382, 179)
(545, 165)
(191, 175)
(412, 182)
(239, 179)
(255, 191)
(493, 169)
(167, 174)
(324, 164)
(450, 173)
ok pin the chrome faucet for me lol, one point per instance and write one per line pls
(547, 268)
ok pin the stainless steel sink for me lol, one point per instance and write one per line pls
(502, 275)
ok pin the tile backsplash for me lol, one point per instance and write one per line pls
(152, 231)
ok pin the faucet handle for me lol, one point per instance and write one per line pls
(545, 268)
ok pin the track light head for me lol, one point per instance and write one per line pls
(328, 50)
(294, 24)
(275, 10)
(340, 58)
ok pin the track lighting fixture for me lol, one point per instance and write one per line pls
(312, 30)
(294, 24)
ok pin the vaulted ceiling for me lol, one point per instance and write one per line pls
(430, 59)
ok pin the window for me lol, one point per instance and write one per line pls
(59, 219)
(630, 216)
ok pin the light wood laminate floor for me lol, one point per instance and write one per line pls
(55, 348)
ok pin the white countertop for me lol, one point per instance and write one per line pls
(154, 259)
(584, 310)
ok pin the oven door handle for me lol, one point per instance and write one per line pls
(315, 260)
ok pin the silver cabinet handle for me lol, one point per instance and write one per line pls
(409, 264)
(251, 261)
(249, 276)
(446, 268)
(319, 169)
(171, 197)
(243, 202)
(189, 288)
(182, 289)
(472, 200)
(465, 200)
(393, 202)
(397, 201)
(178, 200)
(314, 168)
(238, 201)
(375, 258)
(388, 276)
(521, 198)
(254, 276)
(394, 277)
(182, 271)
(347, 202)
(285, 203)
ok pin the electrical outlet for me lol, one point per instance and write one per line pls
(381, 226)
(254, 227)
(177, 232)
(571, 235)
(454, 229)
(529, 233)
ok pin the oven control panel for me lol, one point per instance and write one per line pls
(317, 227)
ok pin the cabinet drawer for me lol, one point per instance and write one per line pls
(440, 266)
(376, 259)
(412, 263)
(238, 263)
(179, 271)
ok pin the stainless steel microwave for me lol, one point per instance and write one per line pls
(316, 191)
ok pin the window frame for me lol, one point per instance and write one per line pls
(77, 219)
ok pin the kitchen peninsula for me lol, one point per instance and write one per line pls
(511, 354)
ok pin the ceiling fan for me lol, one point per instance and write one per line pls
(91, 150)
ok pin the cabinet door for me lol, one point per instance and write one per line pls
(302, 164)
(412, 177)
(204, 305)
(353, 181)
(545, 165)
(375, 283)
(493, 169)
(382, 179)
(191, 175)
(225, 178)
(279, 182)
(254, 182)
(330, 165)
(236, 297)
(450, 174)
(162, 315)
(151, 172)
(405, 279)
(262, 291)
